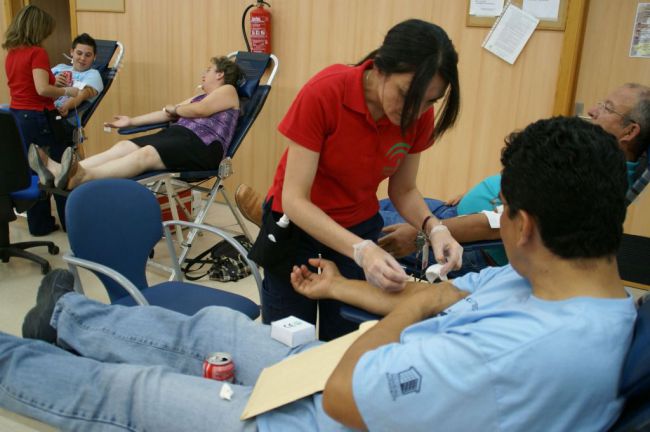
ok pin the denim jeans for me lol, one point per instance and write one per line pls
(139, 368)
(35, 128)
(473, 260)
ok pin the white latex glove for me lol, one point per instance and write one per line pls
(380, 268)
(446, 250)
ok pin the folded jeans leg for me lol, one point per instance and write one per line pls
(42, 381)
(155, 336)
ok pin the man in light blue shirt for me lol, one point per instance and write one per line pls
(535, 345)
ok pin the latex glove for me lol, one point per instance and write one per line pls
(399, 240)
(380, 268)
(446, 250)
(71, 92)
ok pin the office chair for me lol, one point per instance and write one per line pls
(113, 224)
(18, 190)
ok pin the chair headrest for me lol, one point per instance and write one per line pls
(253, 66)
(635, 379)
(105, 51)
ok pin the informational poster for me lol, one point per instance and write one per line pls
(485, 8)
(543, 9)
(640, 44)
(510, 33)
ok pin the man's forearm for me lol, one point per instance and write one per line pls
(471, 228)
(372, 299)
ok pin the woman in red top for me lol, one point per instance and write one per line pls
(32, 90)
(350, 128)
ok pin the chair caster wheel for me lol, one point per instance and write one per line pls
(53, 250)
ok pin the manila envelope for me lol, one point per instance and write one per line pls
(300, 375)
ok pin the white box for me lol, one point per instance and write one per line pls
(293, 331)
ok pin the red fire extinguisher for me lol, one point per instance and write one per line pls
(260, 28)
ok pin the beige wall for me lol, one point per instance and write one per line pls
(168, 44)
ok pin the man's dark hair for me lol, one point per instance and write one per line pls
(570, 176)
(424, 49)
(85, 39)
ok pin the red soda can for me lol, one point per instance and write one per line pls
(219, 366)
(68, 78)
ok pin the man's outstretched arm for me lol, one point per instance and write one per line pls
(331, 285)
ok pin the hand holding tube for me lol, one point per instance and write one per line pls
(380, 268)
(446, 250)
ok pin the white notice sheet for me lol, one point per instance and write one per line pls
(543, 9)
(485, 8)
(510, 33)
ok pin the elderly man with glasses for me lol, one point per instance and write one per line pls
(625, 113)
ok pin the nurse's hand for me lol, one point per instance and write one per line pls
(446, 249)
(380, 268)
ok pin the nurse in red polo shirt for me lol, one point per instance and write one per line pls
(32, 90)
(350, 128)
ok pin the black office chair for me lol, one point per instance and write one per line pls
(18, 190)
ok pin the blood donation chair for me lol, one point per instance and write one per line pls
(252, 97)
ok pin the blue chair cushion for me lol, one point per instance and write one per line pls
(194, 298)
(29, 194)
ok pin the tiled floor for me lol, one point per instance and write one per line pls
(19, 280)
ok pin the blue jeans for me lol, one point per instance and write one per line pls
(139, 368)
(473, 260)
(35, 128)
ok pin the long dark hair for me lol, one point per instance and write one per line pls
(424, 49)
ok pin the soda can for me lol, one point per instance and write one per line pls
(68, 78)
(219, 366)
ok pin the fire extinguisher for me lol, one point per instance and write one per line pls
(260, 27)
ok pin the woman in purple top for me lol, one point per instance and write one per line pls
(203, 128)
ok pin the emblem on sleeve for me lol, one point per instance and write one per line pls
(405, 382)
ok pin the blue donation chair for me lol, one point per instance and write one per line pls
(113, 224)
(635, 378)
(18, 190)
(252, 96)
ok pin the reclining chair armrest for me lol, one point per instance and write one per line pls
(106, 271)
(357, 315)
(218, 232)
(144, 128)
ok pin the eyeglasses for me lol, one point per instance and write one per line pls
(606, 106)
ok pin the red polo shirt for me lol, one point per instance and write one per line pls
(330, 116)
(19, 65)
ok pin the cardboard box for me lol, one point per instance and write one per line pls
(293, 331)
(186, 199)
